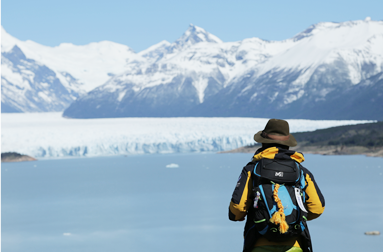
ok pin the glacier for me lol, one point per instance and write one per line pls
(49, 135)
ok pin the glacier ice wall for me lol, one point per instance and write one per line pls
(49, 135)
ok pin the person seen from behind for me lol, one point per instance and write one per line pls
(276, 194)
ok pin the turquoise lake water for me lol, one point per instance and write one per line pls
(136, 203)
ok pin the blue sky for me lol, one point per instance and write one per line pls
(140, 24)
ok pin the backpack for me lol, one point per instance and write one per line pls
(279, 197)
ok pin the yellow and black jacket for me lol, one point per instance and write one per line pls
(242, 198)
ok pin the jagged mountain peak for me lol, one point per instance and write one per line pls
(15, 54)
(194, 35)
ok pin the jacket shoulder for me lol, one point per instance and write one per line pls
(250, 166)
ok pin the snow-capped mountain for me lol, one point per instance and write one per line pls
(332, 70)
(78, 68)
(329, 71)
(175, 78)
(29, 86)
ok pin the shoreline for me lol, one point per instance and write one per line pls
(321, 150)
(318, 150)
(8, 157)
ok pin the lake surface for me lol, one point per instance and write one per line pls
(136, 203)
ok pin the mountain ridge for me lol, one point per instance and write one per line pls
(255, 78)
(199, 75)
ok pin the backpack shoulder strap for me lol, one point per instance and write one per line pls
(255, 176)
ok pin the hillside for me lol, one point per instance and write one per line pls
(362, 139)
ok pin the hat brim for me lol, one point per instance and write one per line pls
(290, 142)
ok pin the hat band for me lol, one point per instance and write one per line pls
(275, 137)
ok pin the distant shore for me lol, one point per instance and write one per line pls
(360, 139)
(322, 150)
(15, 157)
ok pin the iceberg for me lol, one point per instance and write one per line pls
(172, 165)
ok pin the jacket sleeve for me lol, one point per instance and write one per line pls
(314, 199)
(241, 198)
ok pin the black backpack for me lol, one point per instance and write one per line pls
(279, 197)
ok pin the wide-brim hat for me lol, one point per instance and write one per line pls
(276, 131)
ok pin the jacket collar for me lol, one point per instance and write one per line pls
(278, 153)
